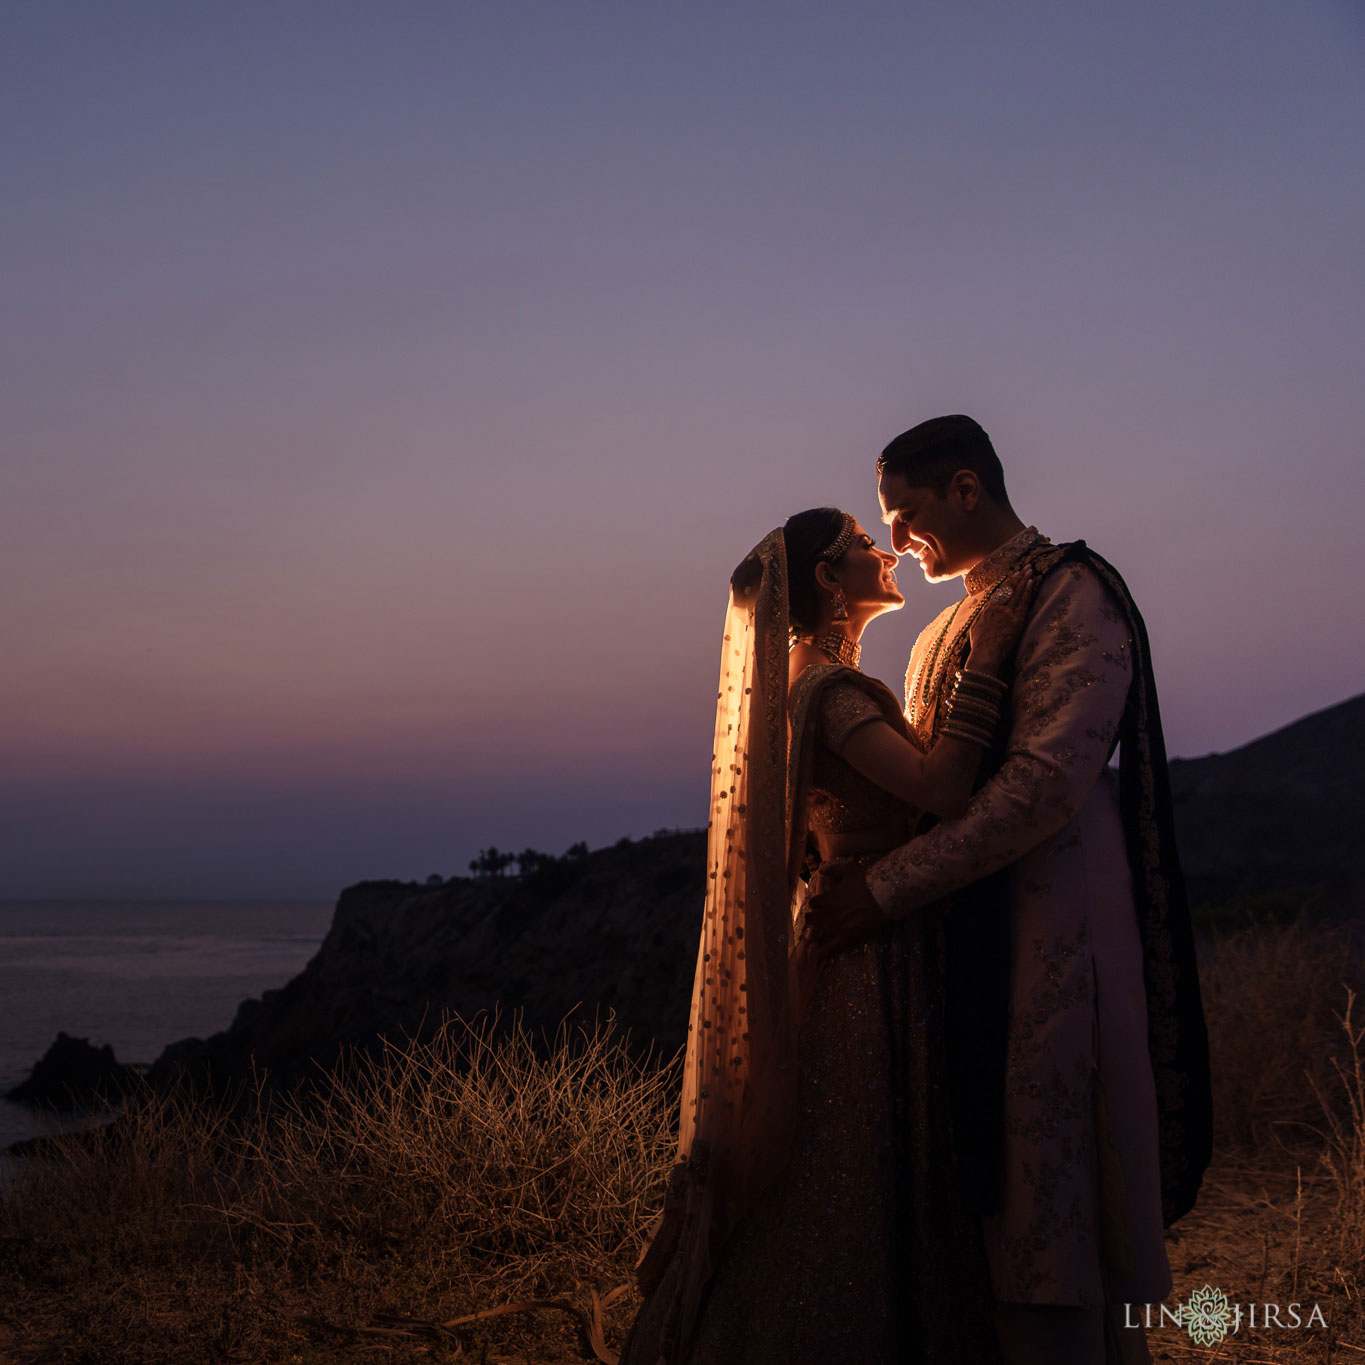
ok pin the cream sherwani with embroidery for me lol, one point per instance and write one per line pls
(1080, 1103)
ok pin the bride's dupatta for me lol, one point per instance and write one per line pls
(739, 1093)
(739, 1076)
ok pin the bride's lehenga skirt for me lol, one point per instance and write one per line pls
(862, 1251)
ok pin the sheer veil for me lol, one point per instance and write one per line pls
(739, 1081)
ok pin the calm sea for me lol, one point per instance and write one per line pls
(138, 975)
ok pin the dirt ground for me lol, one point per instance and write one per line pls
(1259, 1234)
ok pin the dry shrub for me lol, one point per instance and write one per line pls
(122, 1193)
(1270, 997)
(433, 1178)
(474, 1156)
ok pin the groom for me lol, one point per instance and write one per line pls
(1080, 1105)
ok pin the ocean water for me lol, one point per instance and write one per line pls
(137, 975)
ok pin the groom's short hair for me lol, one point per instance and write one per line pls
(928, 455)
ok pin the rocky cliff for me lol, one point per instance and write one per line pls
(615, 930)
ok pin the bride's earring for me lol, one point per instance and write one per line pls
(840, 604)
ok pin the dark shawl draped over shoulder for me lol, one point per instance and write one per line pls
(978, 954)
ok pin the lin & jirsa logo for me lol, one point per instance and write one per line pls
(1209, 1317)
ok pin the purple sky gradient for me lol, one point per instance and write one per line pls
(388, 390)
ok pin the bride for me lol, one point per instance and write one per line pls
(814, 1212)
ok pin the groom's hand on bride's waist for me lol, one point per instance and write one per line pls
(842, 912)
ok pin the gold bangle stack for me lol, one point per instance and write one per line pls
(974, 707)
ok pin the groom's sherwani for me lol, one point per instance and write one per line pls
(1095, 954)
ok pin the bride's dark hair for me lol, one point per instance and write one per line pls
(806, 536)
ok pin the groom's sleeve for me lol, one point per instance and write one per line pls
(1073, 668)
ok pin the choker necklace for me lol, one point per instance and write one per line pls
(838, 648)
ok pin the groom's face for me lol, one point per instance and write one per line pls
(929, 528)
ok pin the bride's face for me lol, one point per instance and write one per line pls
(868, 575)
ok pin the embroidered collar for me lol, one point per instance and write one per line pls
(996, 566)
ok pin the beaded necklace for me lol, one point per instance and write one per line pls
(929, 667)
(837, 648)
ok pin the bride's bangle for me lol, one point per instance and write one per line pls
(986, 685)
(967, 732)
(974, 708)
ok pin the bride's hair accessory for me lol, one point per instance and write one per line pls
(841, 542)
(974, 708)
(811, 538)
(834, 551)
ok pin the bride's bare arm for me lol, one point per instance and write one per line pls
(939, 781)
(942, 779)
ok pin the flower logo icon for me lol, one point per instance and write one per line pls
(1208, 1312)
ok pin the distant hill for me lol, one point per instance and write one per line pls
(1283, 815)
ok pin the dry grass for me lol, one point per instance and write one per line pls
(444, 1177)
(433, 1181)
(1344, 1157)
(1281, 1215)
(1262, 1234)
(1272, 992)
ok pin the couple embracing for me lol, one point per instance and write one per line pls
(947, 1074)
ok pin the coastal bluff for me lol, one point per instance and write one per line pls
(614, 930)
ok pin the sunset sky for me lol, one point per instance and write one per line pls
(388, 389)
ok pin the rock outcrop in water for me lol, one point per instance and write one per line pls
(72, 1074)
